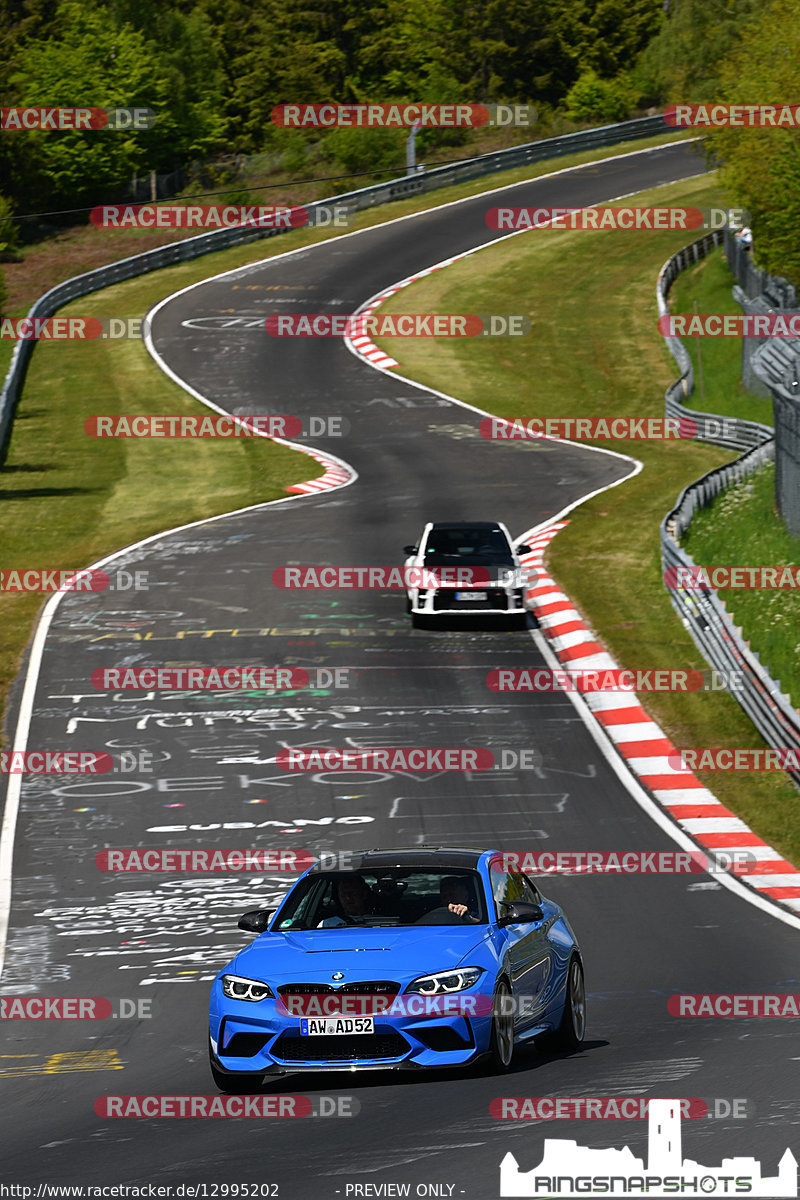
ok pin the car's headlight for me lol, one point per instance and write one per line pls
(446, 981)
(246, 989)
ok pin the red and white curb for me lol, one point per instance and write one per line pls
(362, 345)
(643, 744)
(335, 475)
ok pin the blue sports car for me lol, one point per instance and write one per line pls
(407, 958)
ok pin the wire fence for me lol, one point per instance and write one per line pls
(367, 197)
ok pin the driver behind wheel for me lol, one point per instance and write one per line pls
(454, 894)
(353, 894)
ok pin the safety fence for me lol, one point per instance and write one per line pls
(700, 609)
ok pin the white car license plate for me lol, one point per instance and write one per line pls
(471, 596)
(334, 1025)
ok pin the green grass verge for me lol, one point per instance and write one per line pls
(717, 361)
(743, 526)
(595, 351)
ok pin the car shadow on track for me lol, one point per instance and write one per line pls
(515, 623)
(526, 1059)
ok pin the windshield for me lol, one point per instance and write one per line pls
(490, 544)
(394, 896)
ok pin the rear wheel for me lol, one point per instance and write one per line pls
(573, 1024)
(501, 1044)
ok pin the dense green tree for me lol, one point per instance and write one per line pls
(683, 60)
(95, 63)
(606, 36)
(508, 50)
(761, 166)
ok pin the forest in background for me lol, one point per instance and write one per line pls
(213, 71)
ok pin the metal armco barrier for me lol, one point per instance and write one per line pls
(380, 193)
(701, 610)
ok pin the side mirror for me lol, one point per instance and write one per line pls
(256, 920)
(523, 549)
(410, 549)
(521, 913)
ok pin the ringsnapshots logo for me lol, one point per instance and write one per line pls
(76, 119)
(410, 325)
(402, 116)
(570, 1170)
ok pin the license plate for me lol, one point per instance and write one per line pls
(471, 595)
(334, 1025)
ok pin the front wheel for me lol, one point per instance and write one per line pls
(248, 1083)
(501, 1044)
(573, 1024)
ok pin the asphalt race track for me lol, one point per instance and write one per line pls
(160, 938)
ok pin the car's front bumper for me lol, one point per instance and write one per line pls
(272, 1043)
(447, 601)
